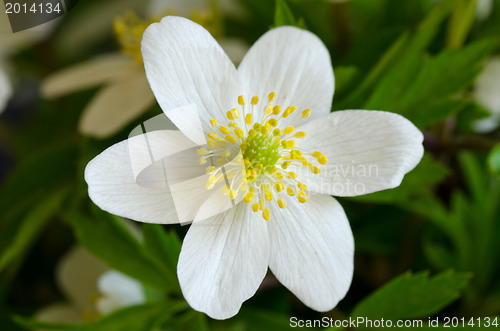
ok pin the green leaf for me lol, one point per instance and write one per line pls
(494, 160)
(163, 247)
(30, 228)
(108, 239)
(406, 45)
(413, 296)
(422, 88)
(345, 79)
(283, 14)
(142, 317)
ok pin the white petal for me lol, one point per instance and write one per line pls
(293, 63)
(487, 86)
(116, 106)
(312, 250)
(5, 89)
(367, 151)
(223, 260)
(185, 65)
(86, 75)
(77, 275)
(112, 177)
(119, 291)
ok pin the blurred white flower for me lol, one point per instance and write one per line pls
(10, 43)
(287, 221)
(483, 9)
(92, 289)
(125, 93)
(487, 93)
(5, 89)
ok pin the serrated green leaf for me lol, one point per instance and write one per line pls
(494, 160)
(108, 239)
(413, 296)
(422, 88)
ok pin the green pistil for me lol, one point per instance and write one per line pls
(262, 149)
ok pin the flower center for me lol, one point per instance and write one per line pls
(268, 151)
(129, 29)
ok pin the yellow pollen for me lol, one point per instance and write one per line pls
(306, 113)
(285, 164)
(290, 191)
(202, 151)
(273, 122)
(241, 100)
(230, 138)
(210, 170)
(290, 143)
(282, 203)
(213, 122)
(301, 186)
(302, 197)
(230, 115)
(269, 109)
(266, 214)
(276, 132)
(288, 130)
(255, 207)
(315, 170)
(255, 100)
(276, 110)
(248, 198)
(128, 30)
(278, 186)
(202, 160)
(239, 133)
(271, 97)
(300, 134)
(213, 135)
(224, 130)
(292, 174)
(233, 194)
(248, 119)
(322, 159)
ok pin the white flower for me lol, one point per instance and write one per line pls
(486, 92)
(92, 289)
(484, 9)
(302, 235)
(11, 42)
(126, 93)
(5, 89)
